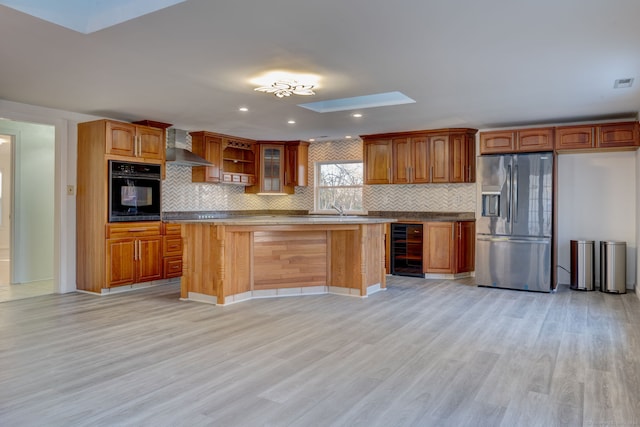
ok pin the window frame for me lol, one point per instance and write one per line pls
(317, 187)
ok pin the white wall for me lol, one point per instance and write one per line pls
(5, 168)
(597, 200)
(65, 124)
(33, 219)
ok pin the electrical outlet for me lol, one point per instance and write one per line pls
(71, 190)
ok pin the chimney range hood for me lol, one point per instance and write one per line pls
(178, 155)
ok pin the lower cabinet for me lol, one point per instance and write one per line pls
(421, 248)
(133, 260)
(449, 247)
(139, 252)
(172, 251)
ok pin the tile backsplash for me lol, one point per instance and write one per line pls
(180, 194)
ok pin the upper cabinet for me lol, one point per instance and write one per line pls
(135, 142)
(296, 167)
(575, 137)
(586, 137)
(439, 156)
(208, 146)
(598, 136)
(232, 159)
(516, 140)
(280, 166)
(377, 161)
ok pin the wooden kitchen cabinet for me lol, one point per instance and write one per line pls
(449, 247)
(135, 141)
(233, 159)
(575, 137)
(410, 160)
(462, 155)
(270, 167)
(172, 250)
(613, 135)
(377, 161)
(296, 165)
(497, 142)
(439, 160)
(431, 156)
(238, 161)
(598, 136)
(133, 253)
(532, 140)
(209, 147)
(466, 246)
(517, 141)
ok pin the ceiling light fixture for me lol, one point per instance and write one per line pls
(243, 109)
(283, 87)
(356, 115)
(292, 122)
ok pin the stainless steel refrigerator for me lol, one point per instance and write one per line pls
(514, 230)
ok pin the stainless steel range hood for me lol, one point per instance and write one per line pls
(177, 155)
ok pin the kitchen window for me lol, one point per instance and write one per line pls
(339, 184)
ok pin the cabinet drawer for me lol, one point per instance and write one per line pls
(171, 229)
(172, 267)
(172, 246)
(133, 229)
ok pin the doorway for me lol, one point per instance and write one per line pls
(27, 168)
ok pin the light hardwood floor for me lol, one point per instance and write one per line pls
(423, 353)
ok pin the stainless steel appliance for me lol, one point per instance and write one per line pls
(514, 231)
(134, 191)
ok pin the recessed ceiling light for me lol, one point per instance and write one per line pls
(291, 122)
(243, 109)
(348, 137)
(312, 139)
(356, 115)
(623, 83)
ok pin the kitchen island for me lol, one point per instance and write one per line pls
(227, 260)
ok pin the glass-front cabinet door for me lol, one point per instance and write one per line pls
(272, 171)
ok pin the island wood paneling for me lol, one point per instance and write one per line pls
(237, 254)
(373, 242)
(203, 255)
(287, 259)
(224, 261)
(345, 257)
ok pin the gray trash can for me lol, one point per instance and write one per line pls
(582, 263)
(613, 267)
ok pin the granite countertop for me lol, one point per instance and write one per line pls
(281, 217)
(286, 220)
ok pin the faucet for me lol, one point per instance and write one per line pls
(340, 209)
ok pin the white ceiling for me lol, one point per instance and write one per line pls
(466, 63)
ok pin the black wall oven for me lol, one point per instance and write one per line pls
(134, 191)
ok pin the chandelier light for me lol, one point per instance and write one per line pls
(282, 88)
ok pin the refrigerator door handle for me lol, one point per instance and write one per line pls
(515, 193)
(509, 193)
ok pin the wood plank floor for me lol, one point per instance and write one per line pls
(423, 353)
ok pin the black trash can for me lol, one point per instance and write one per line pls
(582, 262)
(613, 267)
